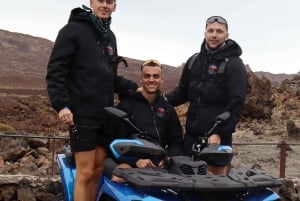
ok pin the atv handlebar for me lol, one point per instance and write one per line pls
(219, 119)
(213, 154)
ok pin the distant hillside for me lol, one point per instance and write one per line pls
(23, 60)
(275, 78)
(23, 64)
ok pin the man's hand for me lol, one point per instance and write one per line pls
(145, 163)
(139, 90)
(66, 116)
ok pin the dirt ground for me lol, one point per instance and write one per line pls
(266, 155)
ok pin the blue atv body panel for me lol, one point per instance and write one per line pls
(68, 175)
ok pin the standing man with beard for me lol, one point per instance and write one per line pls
(213, 81)
(81, 81)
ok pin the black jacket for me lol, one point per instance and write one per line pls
(211, 93)
(80, 72)
(159, 122)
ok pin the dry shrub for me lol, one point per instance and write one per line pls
(6, 128)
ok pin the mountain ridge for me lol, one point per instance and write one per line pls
(24, 58)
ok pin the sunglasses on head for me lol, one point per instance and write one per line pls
(216, 19)
(151, 62)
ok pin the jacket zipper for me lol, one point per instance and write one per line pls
(101, 45)
(155, 126)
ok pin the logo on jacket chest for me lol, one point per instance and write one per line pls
(110, 50)
(212, 69)
(160, 112)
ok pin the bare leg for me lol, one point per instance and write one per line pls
(98, 170)
(84, 174)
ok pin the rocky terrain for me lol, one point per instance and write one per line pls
(269, 117)
(27, 167)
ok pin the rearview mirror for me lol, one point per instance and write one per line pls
(116, 112)
(223, 117)
(122, 115)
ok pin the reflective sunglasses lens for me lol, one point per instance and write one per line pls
(216, 18)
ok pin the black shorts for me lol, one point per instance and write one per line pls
(89, 133)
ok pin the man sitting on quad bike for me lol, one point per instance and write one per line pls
(149, 110)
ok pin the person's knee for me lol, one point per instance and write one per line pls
(98, 171)
(123, 165)
(117, 179)
(84, 176)
(215, 170)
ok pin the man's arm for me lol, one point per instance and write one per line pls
(58, 69)
(122, 86)
(236, 88)
(179, 95)
(175, 134)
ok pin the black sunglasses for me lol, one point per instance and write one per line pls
(216, 19)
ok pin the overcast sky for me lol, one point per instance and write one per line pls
(171, 30)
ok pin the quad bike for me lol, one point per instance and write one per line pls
(184, 178)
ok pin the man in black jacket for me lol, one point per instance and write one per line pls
(150, 112)
(213, 81)
(81, 81)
